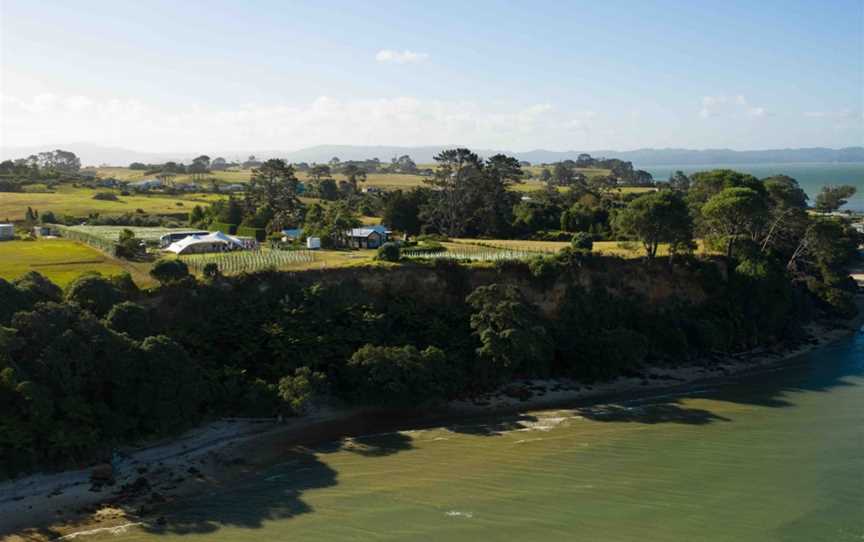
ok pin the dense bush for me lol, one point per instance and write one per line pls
(397, 376)
(582, 241)
(169, 270)
(129, 318)
(389, 252)
(94, 293)
(106, 196)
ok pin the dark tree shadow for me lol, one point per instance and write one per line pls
(493, 427)
(276, 494)
(370, 446)
(650, 414)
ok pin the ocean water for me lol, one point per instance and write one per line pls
(811, 176)
(774, 457)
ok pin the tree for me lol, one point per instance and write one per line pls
(505, 169)
(94, 293)
(405, 164)
(274, 185)
(327, 189)
(318, 172)
(130, 247)
(129, 318)
(168, 271)
(402, 210)
(831, 198)
(354, 175)
(219, 164)
(470, 197)
(733, 214)
(679, 181)
(299, 390)
(397, 375)
(545, 175)
(658, 217)
(563, 174)
(705, 184)
(582, 241)
(511, 335)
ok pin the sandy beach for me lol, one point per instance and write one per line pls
(146, 480)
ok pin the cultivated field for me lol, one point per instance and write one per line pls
(112, 233)
(232, 263)
(60, 260)
(79, 202)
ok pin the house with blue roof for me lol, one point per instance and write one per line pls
(367, 236)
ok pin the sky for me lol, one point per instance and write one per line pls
(216, 75)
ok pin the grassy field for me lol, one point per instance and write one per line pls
(384, 181)
(58, 259)
(612, 248)
(79, 202)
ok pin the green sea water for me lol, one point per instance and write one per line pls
(773, 457)
(811, 176)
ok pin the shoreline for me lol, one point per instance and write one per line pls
(152, 477)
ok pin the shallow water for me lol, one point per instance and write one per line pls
(777, 457)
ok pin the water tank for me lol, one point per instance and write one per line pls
(7, 231)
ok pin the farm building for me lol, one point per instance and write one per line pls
(7, 231)
(169, 238)
(232, 188)
(212, 242)
(371, 237)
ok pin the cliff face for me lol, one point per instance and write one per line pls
(655, 283)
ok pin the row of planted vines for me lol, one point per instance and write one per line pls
(471, 253)
(96, 241)
(247, 261)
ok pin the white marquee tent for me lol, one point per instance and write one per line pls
(212, 242)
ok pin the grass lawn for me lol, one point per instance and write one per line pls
(60, 260)
(625, 250)
(79, 202)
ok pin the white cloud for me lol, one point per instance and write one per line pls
(729, 106)
(400, 57)
(398, 120)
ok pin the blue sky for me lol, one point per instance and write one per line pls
(158, 76)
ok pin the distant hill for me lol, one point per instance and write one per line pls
(96, 155)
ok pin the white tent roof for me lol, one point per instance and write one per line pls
(217, 237)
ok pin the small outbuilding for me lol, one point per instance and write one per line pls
(212, 242)
(7, 232)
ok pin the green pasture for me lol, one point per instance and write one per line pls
(59, 260)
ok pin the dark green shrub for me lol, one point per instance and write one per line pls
(94, 293)
(389, 252)
(582, 241)
(129, 318)
(167, 271)
(211, 270)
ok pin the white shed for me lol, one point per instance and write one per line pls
(313, 243)
(7, 231)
